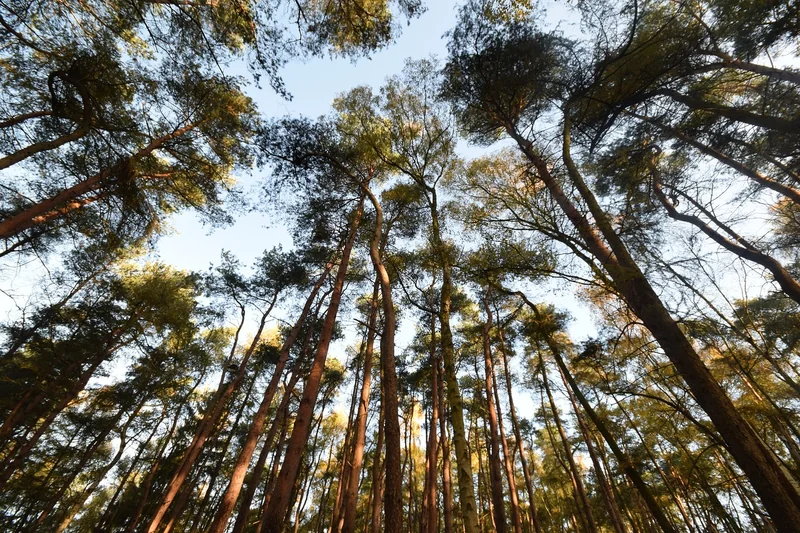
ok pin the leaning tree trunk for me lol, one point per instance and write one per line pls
(778, 494)
(495, 470)
(206, 427)
(281, 494)
(585, 506)
(246, 454)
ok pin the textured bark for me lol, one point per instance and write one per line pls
(393, 497)
(495, 469)
(377, 479)
(466, 487)
(281, 494)
(282, 412)
(246, 454)
(508, 463)
(777, 493)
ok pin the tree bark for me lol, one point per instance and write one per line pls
(778, 495)
(495, 470)
(279, 502)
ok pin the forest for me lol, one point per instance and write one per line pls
(545, 281)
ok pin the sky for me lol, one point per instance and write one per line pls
(313, 85)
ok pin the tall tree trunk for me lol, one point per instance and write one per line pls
(377, 479)
(246, 454)
(281, 413)
(393, 497)
(466, 487)
(447, 485)
(622, 458)
(495, 470)
(430, 519)
(518, 436)
(778, 494)
(279, 501)
(605, 487)
(585, 507)
(206, 426)
(507, 462)
(350, 497)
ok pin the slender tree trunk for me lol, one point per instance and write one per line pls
(622, 458)
(273, 473)
(98, 478)
(518, 436)
(507, 462)
(495, 470)
(246, 454)
(777, 493)
(605, 487)
(447, 485)
(377, 478)
(584, 506)
(466, 487)
(350, 498)
(279, 502)
(393, 498)
(206, 426)
(282, 413)
(430, 522)
(106, 521)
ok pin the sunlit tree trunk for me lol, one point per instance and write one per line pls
(279, 501)
(206, 426)
(350, 498)
(246, 454)
(778, 494)
(495, 470)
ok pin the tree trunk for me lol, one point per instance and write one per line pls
(585, 507)
(495, 470)
(282, 412)
(447, 484)
(430, 519)
(246, 454)
(279, 502)
(53, 207)
(350, 497)
(377, 479)
(518, 436)
(777, 493)
(466, 487)
(393, 497)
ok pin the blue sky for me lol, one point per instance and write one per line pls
(313, 85)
